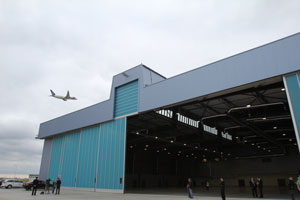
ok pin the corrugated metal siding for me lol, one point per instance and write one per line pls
(292, 83)
(91, 158)
(56, 151)
(69, 159)
(111, 155)
(88, 157)
(126, 99)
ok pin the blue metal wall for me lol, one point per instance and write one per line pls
(126, 99)
(92, 157)
(69, 159)
(111, 155)
(292, 85)
(54, 168)
(88, 157)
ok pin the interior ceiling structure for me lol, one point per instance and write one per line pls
(257, 119)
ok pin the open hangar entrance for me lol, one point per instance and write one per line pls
(236, 134)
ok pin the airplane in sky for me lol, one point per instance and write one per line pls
(65, 98)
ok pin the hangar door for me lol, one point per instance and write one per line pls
(90, 158)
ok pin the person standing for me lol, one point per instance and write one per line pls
(189, 186)
(47, 186)
(207, 185)
(260, 187)
(34, 186)
(253, 186)
(292, 188)
(58, 183)
(53, 186)
(298, 183)
(222, 186)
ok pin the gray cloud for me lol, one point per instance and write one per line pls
(80, 45)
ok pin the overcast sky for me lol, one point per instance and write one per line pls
(80, 45)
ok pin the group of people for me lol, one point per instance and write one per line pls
(254, 184)
(55, 185)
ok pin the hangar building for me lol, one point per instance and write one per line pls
(237, 117)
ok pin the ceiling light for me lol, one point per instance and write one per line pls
(248, 106)
(228, 154)
(195, 157)
(178, 154)
(275, 127)
(184, 144)
(283, 134)
(295, 144)
(205, 149)
(269, 150)
(204, 160)
(264, 148)
(282, 89)
(192, 154)
(252, 144)
(245, 141)
(145, 149)
(171, 141)
(221, 152)
(137, 133)
(237, 137)
(165, 149)
(196, 147)
(157, 151)
(147, 145)
(131, 147)
(179, 151)
(258, 146)
(264, 118)
(187, 156)
(290, 139)
(169, 153)
(156, 137)
(214, 151)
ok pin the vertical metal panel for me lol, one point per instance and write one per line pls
(126, 99)
(69, 164)
(56, 150)
(111, 155)
(45, 162)
(292, 85)
(87, 157)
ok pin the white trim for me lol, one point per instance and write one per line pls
(128, 115)
(298, 79)
(292, 112)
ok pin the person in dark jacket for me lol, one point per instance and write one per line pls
(222, 186)
(253, 186)
(34, 186)
(47, 186)
(260, 185)
(189, 186)
(292, 188)
(58, 183)
(53, 186)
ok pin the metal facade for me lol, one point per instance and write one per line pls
(292, 85)
(91, 158)
(126, 99)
